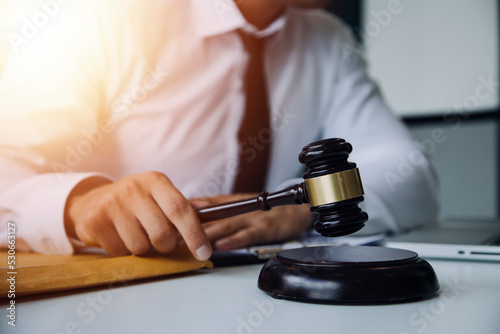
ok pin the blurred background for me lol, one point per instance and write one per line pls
(437, 63)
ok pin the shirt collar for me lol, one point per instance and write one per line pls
(215, 17)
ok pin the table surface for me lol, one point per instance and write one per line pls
(227, 300)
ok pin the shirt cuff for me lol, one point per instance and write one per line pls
(42, 212)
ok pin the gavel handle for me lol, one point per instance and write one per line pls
(264, 201)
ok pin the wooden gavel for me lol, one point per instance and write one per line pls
(332, 186)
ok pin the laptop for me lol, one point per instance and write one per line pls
(453, 239)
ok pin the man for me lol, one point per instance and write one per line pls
(126, 117)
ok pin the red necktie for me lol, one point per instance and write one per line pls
(255, 134)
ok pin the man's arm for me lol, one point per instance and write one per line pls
(401, 188)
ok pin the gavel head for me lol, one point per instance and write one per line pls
(333, 187)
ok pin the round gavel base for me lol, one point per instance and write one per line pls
(348, 274)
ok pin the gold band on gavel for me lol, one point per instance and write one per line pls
(334, 187)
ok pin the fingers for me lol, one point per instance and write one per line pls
(217, 199)
(131, 233)
(222, 228)
(242, 238)
(112, 243)
(124, 204)
(96, 233)
(134, 214)
(161, 233)
(182, 215)
(199, 203)
(241, 231)
(141, 211)
(259, 227)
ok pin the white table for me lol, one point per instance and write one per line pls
(227, 300)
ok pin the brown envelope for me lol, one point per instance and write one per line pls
(37, 273)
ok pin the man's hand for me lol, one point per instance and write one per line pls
(278, 224)
(133, 214)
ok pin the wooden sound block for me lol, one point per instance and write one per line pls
(348, 274)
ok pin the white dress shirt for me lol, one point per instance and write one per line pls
(121, 87)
